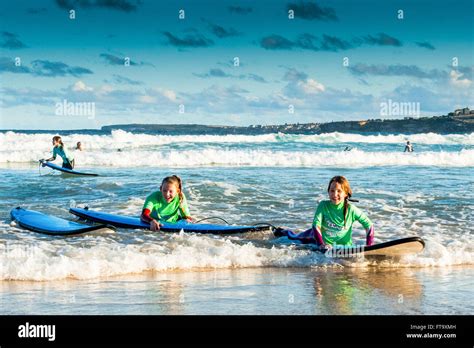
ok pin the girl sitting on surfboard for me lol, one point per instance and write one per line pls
(60, 149)
(333, 220)
(167, 205)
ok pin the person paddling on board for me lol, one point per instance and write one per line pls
(60, 149)
(167, 205)
(333, 220)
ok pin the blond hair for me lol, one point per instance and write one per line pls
(175, 180)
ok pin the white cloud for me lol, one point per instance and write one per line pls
(147, 99)
(171, 95)
(311, 86)
(455, 79)
(80, 86)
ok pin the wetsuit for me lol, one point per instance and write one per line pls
(67, 157)
(329, 228)
(156, 207)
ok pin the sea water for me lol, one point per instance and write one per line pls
(244, 179)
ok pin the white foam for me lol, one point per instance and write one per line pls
(48, 260)
(96, 256)
(145, 150)
(437, 253)
(423, 138)
(260, 158)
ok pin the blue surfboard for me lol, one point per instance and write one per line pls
(135, 222)
(42, 223)
(65, 170)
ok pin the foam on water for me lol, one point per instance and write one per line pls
(120, 138)
(47, 260)
(424, 138)
(207, 150)
(98, 256)
(262, 158)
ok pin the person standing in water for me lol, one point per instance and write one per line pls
(79, 146)
(60, 150)
(408, 147)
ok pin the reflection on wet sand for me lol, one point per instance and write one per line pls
(361, 291)
(294, 291)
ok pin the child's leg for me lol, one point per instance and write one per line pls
(67, 165)
(305, 237)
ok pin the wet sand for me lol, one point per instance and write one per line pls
(291, 291)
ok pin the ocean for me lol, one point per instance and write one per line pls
(245, 179)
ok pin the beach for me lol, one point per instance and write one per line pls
(250, 291)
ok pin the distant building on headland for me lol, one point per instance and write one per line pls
(461, 112)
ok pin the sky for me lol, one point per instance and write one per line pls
(230, 62)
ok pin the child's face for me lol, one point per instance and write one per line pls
(169, 191)
(55, 142)
(336, 193)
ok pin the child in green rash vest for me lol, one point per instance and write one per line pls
(333, 220)
(60, 150)
(167, 205)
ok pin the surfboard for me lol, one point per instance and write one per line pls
(38, 222)
(393, 248)
(136, 223)
(65, 170)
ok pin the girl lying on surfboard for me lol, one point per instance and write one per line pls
(167, 205)
(60, 149)
(333, 220)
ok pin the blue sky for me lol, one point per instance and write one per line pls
(189, 62)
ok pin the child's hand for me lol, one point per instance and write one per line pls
(325, 247)
(189, 219)
(155, 225)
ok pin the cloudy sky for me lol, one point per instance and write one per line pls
(335, 60)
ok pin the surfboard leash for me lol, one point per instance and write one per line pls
(212, 217)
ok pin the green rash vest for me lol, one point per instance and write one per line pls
(164, 211)
(329, 218)
(63, 153)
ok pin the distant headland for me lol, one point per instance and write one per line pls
(459, 121)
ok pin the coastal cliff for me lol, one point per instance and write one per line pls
(436, 124)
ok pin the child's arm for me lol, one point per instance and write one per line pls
(370, 236)
(50, 159)
(146, 218)
(318, 236)
(368, 225)
(317, 221)
(148, 207)
(184, 208)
